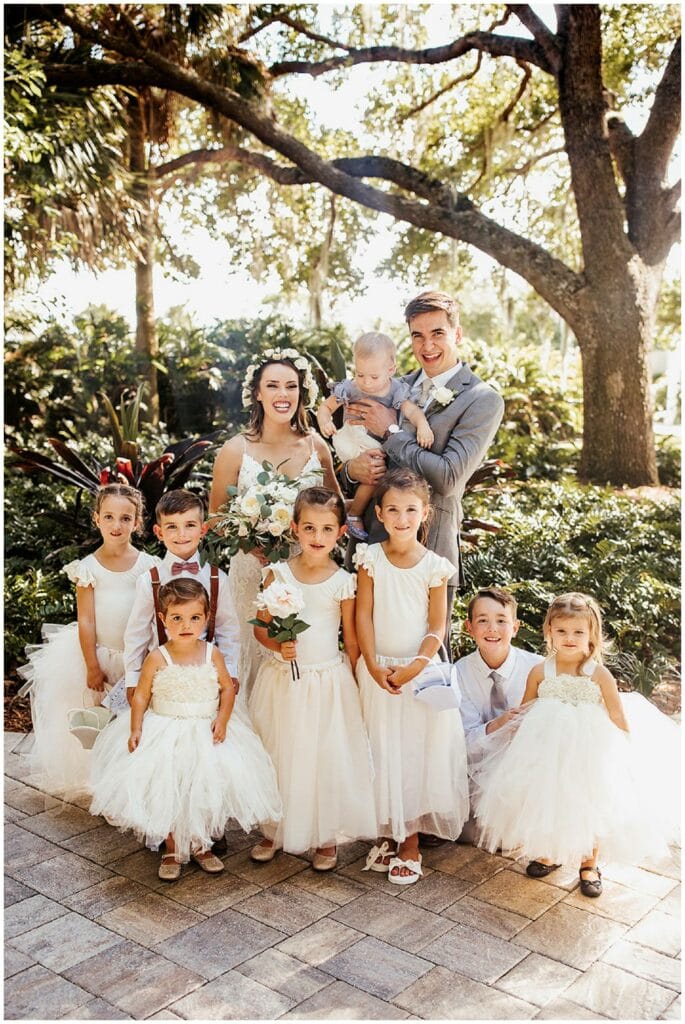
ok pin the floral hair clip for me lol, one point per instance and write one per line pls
(301, 363)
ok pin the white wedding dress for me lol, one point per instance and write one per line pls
(245, 573)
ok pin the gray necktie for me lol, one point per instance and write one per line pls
(498, 700)
(426, 388)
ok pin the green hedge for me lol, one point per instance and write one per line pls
(561, 536)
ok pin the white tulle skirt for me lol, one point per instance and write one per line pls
(312, 727)
(178, 780)
(57, 763)
(567, 780)
(419, 755)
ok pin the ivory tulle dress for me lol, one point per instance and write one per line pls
(419, 754)
(566, 779)
(312, 727)
(245, 573)
(178, 780)
(57, 672)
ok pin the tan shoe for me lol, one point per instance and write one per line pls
(208, 862)
(324, 862)
(262, 853)
(169, 869)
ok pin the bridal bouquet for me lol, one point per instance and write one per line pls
(261, 516)
(283, 602)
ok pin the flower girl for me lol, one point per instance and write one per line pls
(419, 753)
(78, 662)
(185, 766)
(309, 717)
(569, 777)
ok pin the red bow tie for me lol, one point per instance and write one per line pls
(178, 567)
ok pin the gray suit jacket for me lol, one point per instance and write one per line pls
(463, 431)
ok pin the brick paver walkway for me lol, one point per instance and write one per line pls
(92, 933)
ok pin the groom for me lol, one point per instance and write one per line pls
(464, 414)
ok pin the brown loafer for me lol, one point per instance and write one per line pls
(208, 862)
(169, 869)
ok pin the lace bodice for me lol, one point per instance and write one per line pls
(250, 468)
(571, 690)
(186, 691)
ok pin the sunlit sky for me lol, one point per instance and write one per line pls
(223, 292)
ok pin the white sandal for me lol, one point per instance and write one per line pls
(412, 865)
(374, 858)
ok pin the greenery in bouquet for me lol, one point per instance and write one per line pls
(260, 517)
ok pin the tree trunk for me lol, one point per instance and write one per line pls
(147, 341)
(618, 436)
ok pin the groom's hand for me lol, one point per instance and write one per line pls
(376, 418)
(368, 467)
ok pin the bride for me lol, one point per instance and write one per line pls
(277, 391)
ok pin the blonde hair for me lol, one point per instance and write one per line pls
(374, 344)
(575, 605)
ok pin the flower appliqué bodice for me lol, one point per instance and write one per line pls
(571, 690)
(250, 468)
(185, 691)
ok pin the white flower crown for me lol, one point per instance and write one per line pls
(309, 386)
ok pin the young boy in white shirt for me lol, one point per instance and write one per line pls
(492, 679)
(180, 527)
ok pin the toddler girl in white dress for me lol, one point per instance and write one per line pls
(582, 768)
(419, 753)
(312, 725)
(79, 662)
(184, 766)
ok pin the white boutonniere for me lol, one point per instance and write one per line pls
(442, 395)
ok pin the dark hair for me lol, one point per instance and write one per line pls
(122, 491)
(432, 302)
(182, 591)
(403, 479)
(319, 497)
(503, 597)
(299, 422)
(174, 502)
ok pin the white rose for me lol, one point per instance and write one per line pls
(243, 530)
(282, 599)
(250, 505)
(301, 363)
(281, 514)
(442, 395)
(276, 529)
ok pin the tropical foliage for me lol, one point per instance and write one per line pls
(561, 536)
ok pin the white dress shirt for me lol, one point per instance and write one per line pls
(141, 632)
(473, 674)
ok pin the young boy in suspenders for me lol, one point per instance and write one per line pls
(180, 527)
